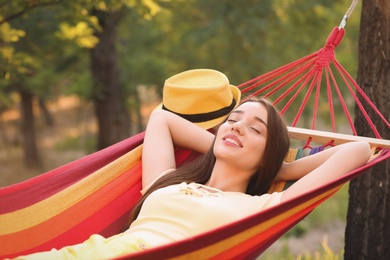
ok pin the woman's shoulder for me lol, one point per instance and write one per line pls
(161, 175)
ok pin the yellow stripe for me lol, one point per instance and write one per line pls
(278, 186)
(217, 248)
(54, 205)
(291, 155)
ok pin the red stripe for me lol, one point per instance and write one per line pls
(45, 185)
(80, 215)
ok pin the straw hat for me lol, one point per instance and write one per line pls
(202, 96)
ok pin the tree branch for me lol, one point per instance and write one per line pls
(27, 8)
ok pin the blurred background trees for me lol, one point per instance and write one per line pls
(102, 51)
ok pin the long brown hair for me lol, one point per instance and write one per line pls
(200, 169)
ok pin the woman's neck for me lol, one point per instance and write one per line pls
(226, 178)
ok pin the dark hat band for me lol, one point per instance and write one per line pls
(204, 117)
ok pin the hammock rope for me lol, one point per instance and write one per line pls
(308, 73)
(348, 14)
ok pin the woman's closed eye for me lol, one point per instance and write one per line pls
(255, 129)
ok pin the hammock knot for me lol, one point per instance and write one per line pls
(325, 56)
(335, 37)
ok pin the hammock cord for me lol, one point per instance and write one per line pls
(304, 77)
(330, 99)
(306, 74)
(347, 14)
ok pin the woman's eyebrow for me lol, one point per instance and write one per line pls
(261, 120)
(237, 111)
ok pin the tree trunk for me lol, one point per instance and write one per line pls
(31, 157)
(368, 219)
(48, 118)
(137, 108)
(109, 99)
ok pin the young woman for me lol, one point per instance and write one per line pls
(229, 182)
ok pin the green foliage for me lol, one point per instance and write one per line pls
(72, 142)
(80, 85)
(47, 48)
(225, 35)
(27, 54)
(324, 254)
(81, 34)
(284, 254)
(8, 34)
(298, 230)
(159, 38)
(141, 54)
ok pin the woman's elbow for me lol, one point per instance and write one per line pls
(363, 150)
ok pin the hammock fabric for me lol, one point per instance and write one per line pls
(94, 195)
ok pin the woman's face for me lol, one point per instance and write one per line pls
(242, 138)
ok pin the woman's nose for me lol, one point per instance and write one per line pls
(238, 127)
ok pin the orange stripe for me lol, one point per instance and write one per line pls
(60, 202)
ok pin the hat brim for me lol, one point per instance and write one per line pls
(214, 122)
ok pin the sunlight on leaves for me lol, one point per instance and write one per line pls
(7, 52)
(93, 20)
(81, 34)
(8, 34)
(102, 6)
(146, 8)
(154, 8)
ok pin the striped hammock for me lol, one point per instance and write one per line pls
(94, 195)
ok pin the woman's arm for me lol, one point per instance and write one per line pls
(164, 131)
(315, 170)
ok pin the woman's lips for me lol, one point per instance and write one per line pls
(233, 140)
